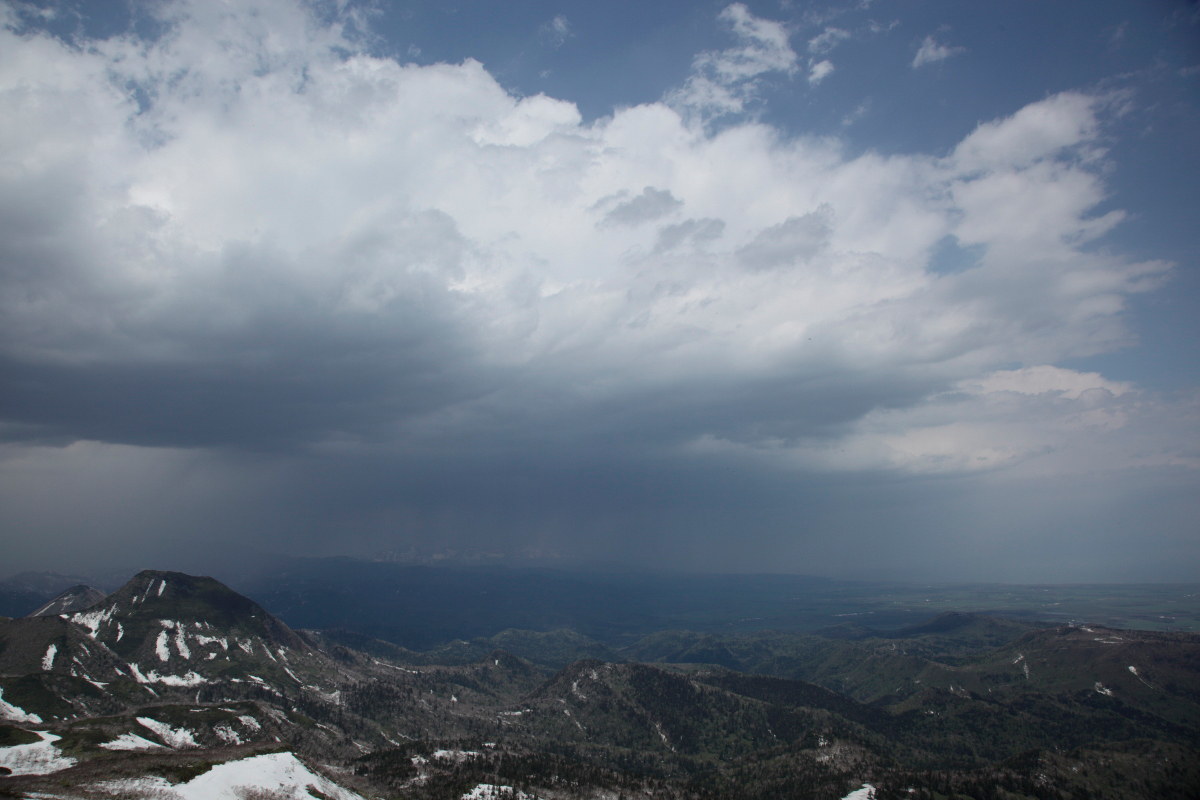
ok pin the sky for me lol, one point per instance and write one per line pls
(880, 290)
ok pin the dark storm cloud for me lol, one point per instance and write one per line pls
(244, 355)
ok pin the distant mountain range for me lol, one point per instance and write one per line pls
(420, 607)
(177, 686)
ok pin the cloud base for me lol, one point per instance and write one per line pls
(250, 238)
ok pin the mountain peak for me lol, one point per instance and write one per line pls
(165, 631)
(77, 598)
(156, 599)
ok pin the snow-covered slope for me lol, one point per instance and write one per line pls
(39, 758)
(277, 775)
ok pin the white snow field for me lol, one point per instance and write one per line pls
(867, 792)
(491, 791)
(11, 713)
(131, 741)
(39, 758)
(282, 774)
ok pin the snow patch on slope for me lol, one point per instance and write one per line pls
(39, 758)
(492, 791)
(227, 734)
(173, 737)
(48, 659)
(15, 714)
(181, 643)
(92, 620)
(131, 741)
(188, 679)
(280, 774)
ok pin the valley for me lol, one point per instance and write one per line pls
(176, 686)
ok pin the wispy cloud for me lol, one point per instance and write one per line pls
(932, 52)
(858, 113)
(724, 82)
(555, 32)
(819, 72)
(827, 40)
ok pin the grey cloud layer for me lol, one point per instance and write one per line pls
(650, 205)
(225, 240)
